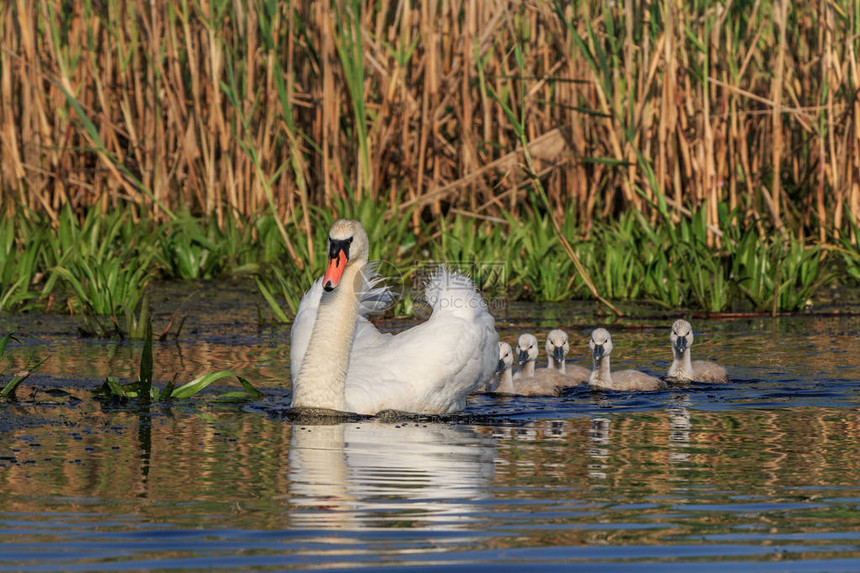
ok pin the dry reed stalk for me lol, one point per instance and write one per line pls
(10, 177)
(629, 61)
(850, 181)
(781, 20)
(667, 124)
(468, 153)
(708, 182)
(826, 40)
(329, 108)
(428, 40)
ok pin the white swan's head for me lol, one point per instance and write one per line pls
(347, 244)
(682, 335)
(600, 343)
(527, 348)
(557, 345)
(506, 357)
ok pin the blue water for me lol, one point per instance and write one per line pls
(759, 475)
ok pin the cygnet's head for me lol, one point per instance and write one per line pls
(527, 348)
(557, 345)
(600, 343)
(682, 335)
(347, 244)
(506, 357)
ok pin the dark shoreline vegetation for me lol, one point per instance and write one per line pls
(700, 156)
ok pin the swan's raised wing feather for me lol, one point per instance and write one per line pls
(374, 296)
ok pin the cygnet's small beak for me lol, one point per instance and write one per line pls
(500, 367)
(522, 357)
(681, 343)
(558, 353)
(598, 351)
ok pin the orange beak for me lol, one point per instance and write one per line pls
(334, 272)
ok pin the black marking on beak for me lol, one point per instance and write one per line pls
(681, 343)
(558, 353)
(598, 351)
(500, 367)
(522, 356)
(335, 246)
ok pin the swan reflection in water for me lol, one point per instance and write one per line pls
(377, 474)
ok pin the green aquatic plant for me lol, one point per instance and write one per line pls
(101, 267)
(189, 249)
(106, 288)
(202, 248)
(476, 248)
(661, 280)
(278, 276)
(779, 275)
(275, 282)
(145, 391)
(619, 249)
(704, 276)
(538, 263)
(21, 243)
(801, 272)
(847, 248)
(8, 390)
(700, 267)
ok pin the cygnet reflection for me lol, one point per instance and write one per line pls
(680, 425)
(599, 436)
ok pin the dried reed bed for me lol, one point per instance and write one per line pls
(215, 105)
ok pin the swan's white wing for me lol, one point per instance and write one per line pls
(303, 326)
(432, 367)
(429, 368)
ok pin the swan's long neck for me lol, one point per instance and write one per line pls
(528, 369)
(506, 382)
(682, 365)
(600, 375)
(557, 365)
(321, 382)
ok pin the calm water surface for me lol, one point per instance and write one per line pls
(761, 474)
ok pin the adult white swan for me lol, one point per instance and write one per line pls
(340, 361)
